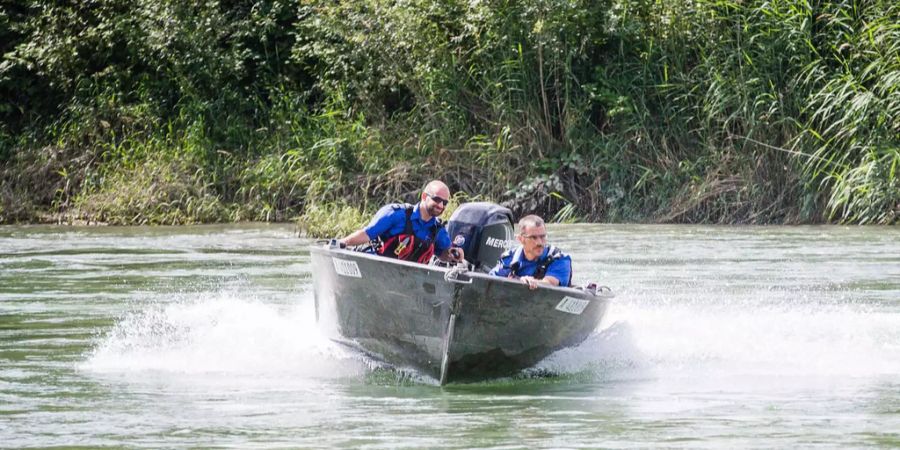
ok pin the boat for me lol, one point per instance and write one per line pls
(454, 323)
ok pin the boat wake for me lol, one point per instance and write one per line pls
(227, 333)
(685, 340)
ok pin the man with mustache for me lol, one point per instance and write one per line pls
(535, 261)
(411, 232)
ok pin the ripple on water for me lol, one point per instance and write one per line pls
(205, 336)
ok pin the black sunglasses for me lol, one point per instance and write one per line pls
(437, 199)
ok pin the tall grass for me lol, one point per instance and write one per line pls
(852, 131)
(339, 219)
(718, 111)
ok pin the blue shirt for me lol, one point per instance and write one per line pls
(561, 268)
(390, 220)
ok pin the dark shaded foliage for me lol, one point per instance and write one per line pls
(162, 111)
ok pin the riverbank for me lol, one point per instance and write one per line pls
(610, 111)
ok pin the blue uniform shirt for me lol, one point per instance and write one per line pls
(561, 268)
(390, 220)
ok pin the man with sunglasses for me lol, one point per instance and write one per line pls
(535, 261)
(411, 232)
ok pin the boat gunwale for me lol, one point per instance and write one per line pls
(600, 294)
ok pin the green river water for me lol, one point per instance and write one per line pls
(762, 337)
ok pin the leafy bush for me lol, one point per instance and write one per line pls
(334, 220)
(692, 111)
(156, 193)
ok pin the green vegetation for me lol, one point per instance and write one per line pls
(722, 111)
(340, 219)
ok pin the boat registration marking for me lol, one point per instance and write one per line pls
(572, 305)
(346, 268)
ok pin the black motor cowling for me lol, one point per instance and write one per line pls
(483, 230)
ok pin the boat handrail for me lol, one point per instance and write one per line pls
(452, 275)
(601, 291)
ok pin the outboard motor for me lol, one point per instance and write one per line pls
(483, 230)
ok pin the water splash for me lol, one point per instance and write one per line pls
(688, 339)
(223, 333)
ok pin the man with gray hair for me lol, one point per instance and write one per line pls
(535, 261)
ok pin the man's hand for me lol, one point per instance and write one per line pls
(532, 282)
(455, 254)
(356, 238)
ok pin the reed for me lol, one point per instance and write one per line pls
(717, 111)
(852, 129)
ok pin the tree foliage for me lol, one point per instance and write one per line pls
(690, 111)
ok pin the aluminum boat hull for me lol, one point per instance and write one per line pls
(451, 325)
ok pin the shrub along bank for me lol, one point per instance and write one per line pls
(161, 111)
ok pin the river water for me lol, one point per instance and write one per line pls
(206, 337)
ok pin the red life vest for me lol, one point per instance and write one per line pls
(407, 246)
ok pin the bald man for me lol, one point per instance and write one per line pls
(411, 232)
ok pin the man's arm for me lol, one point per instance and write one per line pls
(498, 270)
(533, 282)
(503, 267)
(384, 218)
(453, 254)
(443, 248)
(356, 238)
(559, 269)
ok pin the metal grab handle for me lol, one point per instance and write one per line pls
(452, 275)
(595, 289)
(334, 243)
